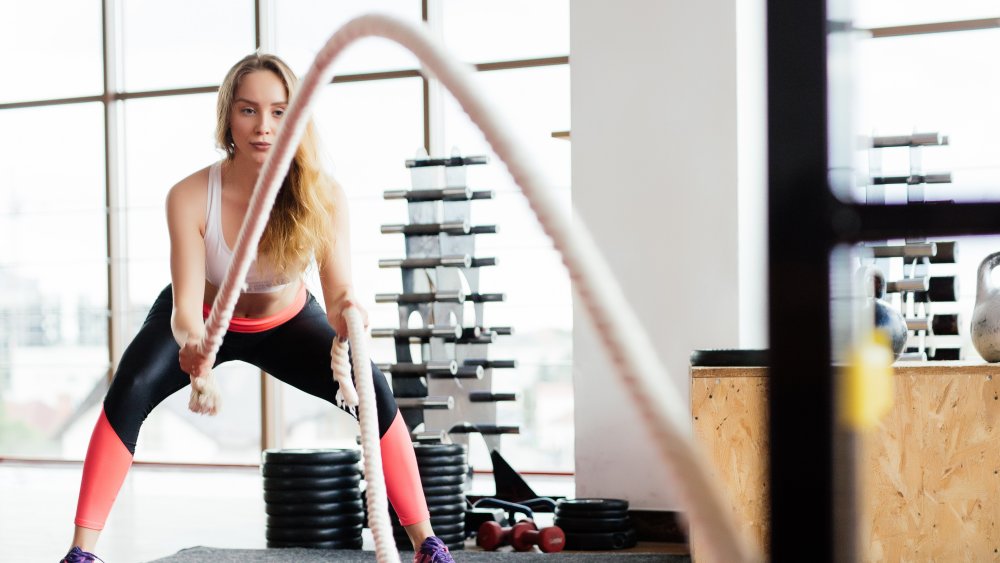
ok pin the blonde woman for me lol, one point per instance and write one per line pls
(277, 324)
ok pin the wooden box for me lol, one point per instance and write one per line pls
(931, 469)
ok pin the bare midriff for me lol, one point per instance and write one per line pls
(257, 305)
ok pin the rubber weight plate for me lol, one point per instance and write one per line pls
(309, 509)
(334, 544)
(439, 470)
(443, 490)
(312, 456)
(593, 542)
(438, 500)
(590, 525)
(439, 480)
(303, 470)
(591, 506)
(437, 450)
(311, 483)
(451, 532)
(308, 497)
(598, 514)
(316, 521)
(313, 534)
(441, 509)
(434, 461)
(436, 521)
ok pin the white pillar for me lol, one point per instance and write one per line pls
(656, 168)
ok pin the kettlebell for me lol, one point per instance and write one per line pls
(887, 318)
(986, 315)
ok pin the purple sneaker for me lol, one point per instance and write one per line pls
(77, 555)
(433, 550)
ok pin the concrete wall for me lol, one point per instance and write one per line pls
(657, 178)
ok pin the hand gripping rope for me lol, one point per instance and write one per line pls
(628, 345)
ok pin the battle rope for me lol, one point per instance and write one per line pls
(628, 345)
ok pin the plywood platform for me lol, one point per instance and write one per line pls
(931, 472)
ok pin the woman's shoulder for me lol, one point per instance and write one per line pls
(193, 187)
(196, 181)
(190, 193)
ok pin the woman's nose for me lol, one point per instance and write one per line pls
(264, 124)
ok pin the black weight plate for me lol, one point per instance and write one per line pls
(334, 544)
(724, 358)
(570, 507)
(308, 509)
(447, 520)
(436, 521)
(310, 456)
(453, 539)
(441, 509)
(590, 525)
(443, 490)
(307, 497)
(437, 470)
(312, 534)
(438, 450)
(439, 480)
(593, 514)
(315, 521)
(437, 500)
(303, 470)
(434, 461)
(594, 542)
(456, 537)
(311, 483)
(446, 529)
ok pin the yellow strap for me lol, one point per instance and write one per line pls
(866, 386)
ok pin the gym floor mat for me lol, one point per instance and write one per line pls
(299, 555)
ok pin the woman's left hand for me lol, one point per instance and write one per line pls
(336, 315)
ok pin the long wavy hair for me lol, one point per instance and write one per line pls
(299, 226)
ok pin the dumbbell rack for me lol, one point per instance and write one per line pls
(914, 267)
(449, 391)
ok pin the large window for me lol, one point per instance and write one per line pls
(86, 249)
(921, 79)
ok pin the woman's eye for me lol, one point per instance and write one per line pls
(247, 111)
(279, 112)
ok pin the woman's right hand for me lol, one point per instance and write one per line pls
(193, 360)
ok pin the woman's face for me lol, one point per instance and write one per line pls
(257, 113)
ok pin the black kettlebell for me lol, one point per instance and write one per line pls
(887, 318)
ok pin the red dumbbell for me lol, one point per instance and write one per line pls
(549, 540)
(492, 535)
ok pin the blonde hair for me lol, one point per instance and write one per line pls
(299, 226)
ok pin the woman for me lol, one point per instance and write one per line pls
(277, 325)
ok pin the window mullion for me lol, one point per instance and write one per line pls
(116, 219)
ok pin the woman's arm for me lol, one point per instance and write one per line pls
(335, 266)
(185, 214)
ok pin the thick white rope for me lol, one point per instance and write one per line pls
(629, 347)
(378, 506)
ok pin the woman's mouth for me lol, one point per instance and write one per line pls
(261, 146)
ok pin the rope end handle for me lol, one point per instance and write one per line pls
(205, 395)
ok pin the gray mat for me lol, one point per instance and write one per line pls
(301, 555)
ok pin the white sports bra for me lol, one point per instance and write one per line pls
(218, 255)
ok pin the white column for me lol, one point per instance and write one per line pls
(656, 171)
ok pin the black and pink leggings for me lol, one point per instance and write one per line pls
(296, 351)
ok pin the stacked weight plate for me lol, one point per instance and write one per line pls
(443, 469)
(595, 524)
(312, 498)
